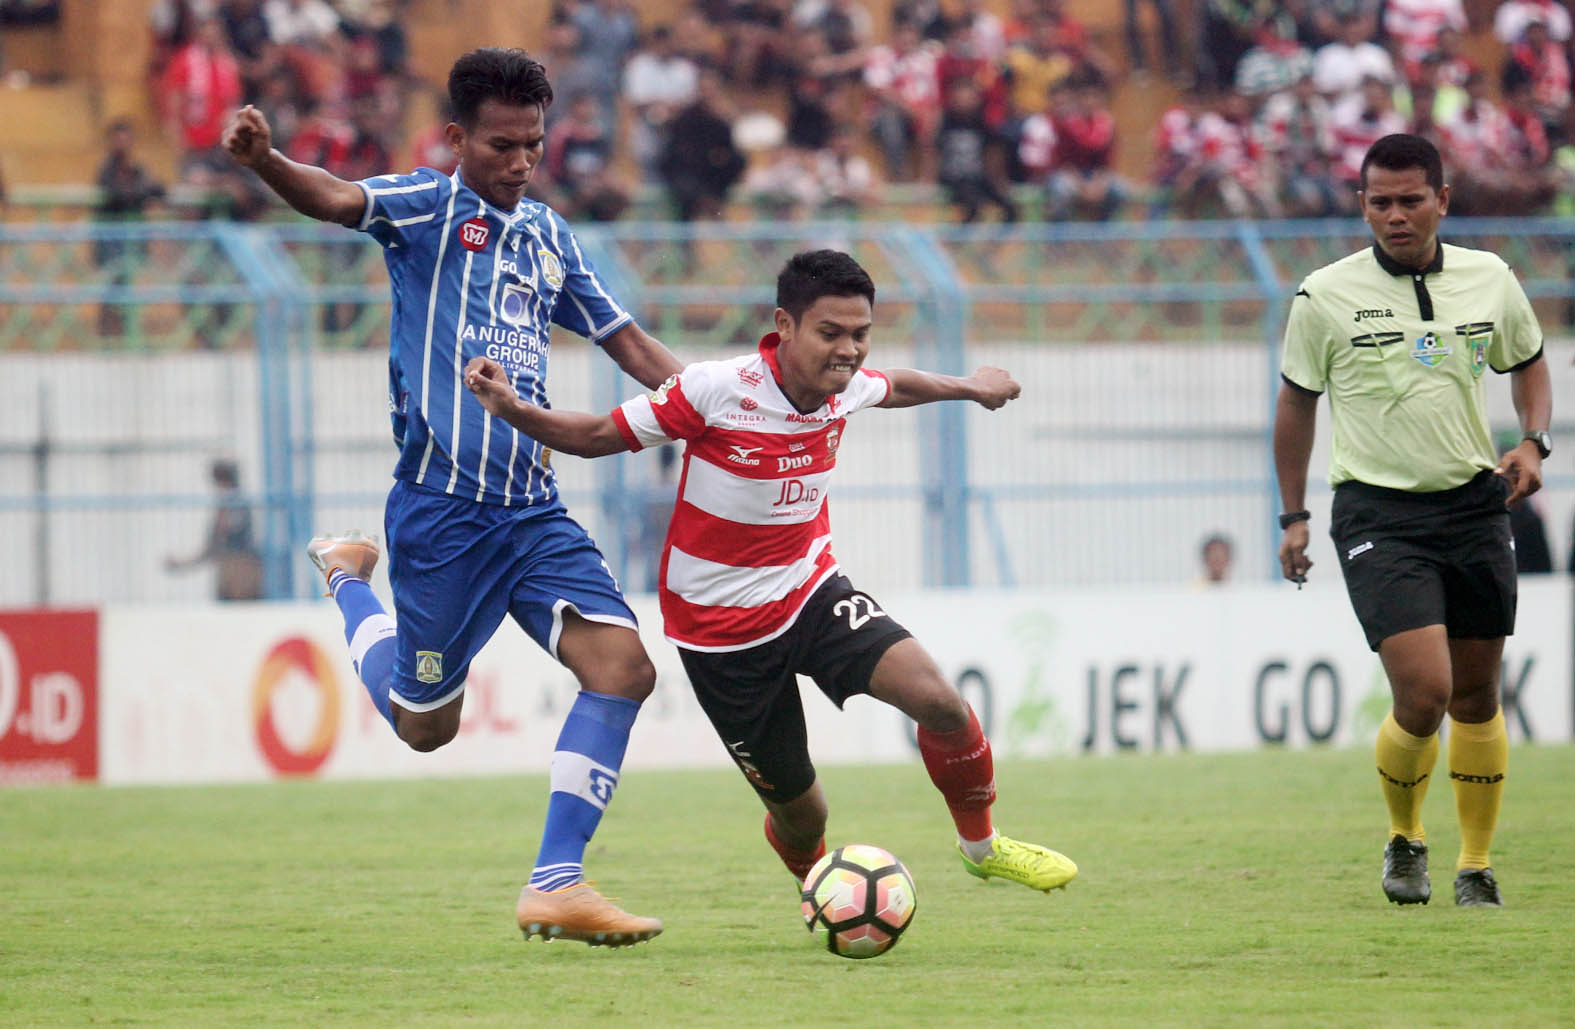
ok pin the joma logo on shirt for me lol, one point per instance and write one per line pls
(1374, 312)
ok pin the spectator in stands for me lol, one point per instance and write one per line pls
(1226, 32)
(1340, 66)
(231, 546)
(1546, 64)
(126, 189)
(1413, 27)
(1491, 161)
(1451, 62)
(608, 34)
(246, 29)
(1513, 17)
(1232, 159)
(580, 165)
(1275, 62)
(960, 62)
(200, 86)
(903, 83)
(1531, 147)
(1216, 555)
(1359, 122)
(430, 149)
(700, 164)
(966, 145)
(757, 52)
(1033, 66)
(1083, 182)
(1297, 130)
(658, 81)
(307, 33)
(846, 24)
(848, 182)
(381, 22)
(986, 29)
(573, 72)
(1319, 21)
(1169, 51)
(1183, 184)
(784, 186)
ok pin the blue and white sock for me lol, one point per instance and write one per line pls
(370, 633)
(584, 774)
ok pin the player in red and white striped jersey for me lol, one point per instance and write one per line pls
(750, 591)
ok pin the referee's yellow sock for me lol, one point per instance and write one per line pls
(1405, 763)
(1478, 760)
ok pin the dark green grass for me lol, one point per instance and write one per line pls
(1215, 889)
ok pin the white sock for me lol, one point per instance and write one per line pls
(977, 850)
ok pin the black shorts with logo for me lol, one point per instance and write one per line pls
(1417, 559)
(751, 696)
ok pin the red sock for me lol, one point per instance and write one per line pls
(799, 862)
(961, 767)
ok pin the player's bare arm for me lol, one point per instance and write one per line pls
(988, 387)
(641, 356)
(570, 432)
(310, 190)
(1531, 389)
(1295, 423)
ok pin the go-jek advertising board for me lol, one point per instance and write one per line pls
(266, 691)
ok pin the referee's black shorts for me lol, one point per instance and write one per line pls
(1417, 559)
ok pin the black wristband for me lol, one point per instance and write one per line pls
(1290, 518)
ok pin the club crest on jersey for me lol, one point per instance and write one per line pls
(831, 442)
(473, 235)
(1429, 351)
(1477, 336)
(551, 268)
(429, 666)
(514, 304)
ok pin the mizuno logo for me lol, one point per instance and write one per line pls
(741, 455)
(1360, 548)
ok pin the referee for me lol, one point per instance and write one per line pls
(1399, 335)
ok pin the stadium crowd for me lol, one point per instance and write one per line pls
(799, 108)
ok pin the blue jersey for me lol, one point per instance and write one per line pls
(469, 279)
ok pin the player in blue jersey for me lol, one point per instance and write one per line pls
(474, 525)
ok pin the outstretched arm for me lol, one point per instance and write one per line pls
(641, 355)
(312, 191)
(988, 387)
(572, 432)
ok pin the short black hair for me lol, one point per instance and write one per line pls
(1401, 150)
(507, 75)
(813, 274)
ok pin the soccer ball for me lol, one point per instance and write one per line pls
(862, 896)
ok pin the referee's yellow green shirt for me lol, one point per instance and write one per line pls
(1401, 354)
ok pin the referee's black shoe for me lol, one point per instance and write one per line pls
(1405, 872)
(1476, 888)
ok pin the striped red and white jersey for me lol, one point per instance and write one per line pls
(750, 538)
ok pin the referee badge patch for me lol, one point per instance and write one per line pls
(1430, 351)
(429, 666)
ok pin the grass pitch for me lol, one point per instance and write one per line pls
(1220, 889)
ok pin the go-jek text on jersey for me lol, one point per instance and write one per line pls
(750, 538)
(469, 279)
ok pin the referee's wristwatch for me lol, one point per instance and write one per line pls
(1543, 441)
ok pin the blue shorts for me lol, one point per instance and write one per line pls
(457, 566)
